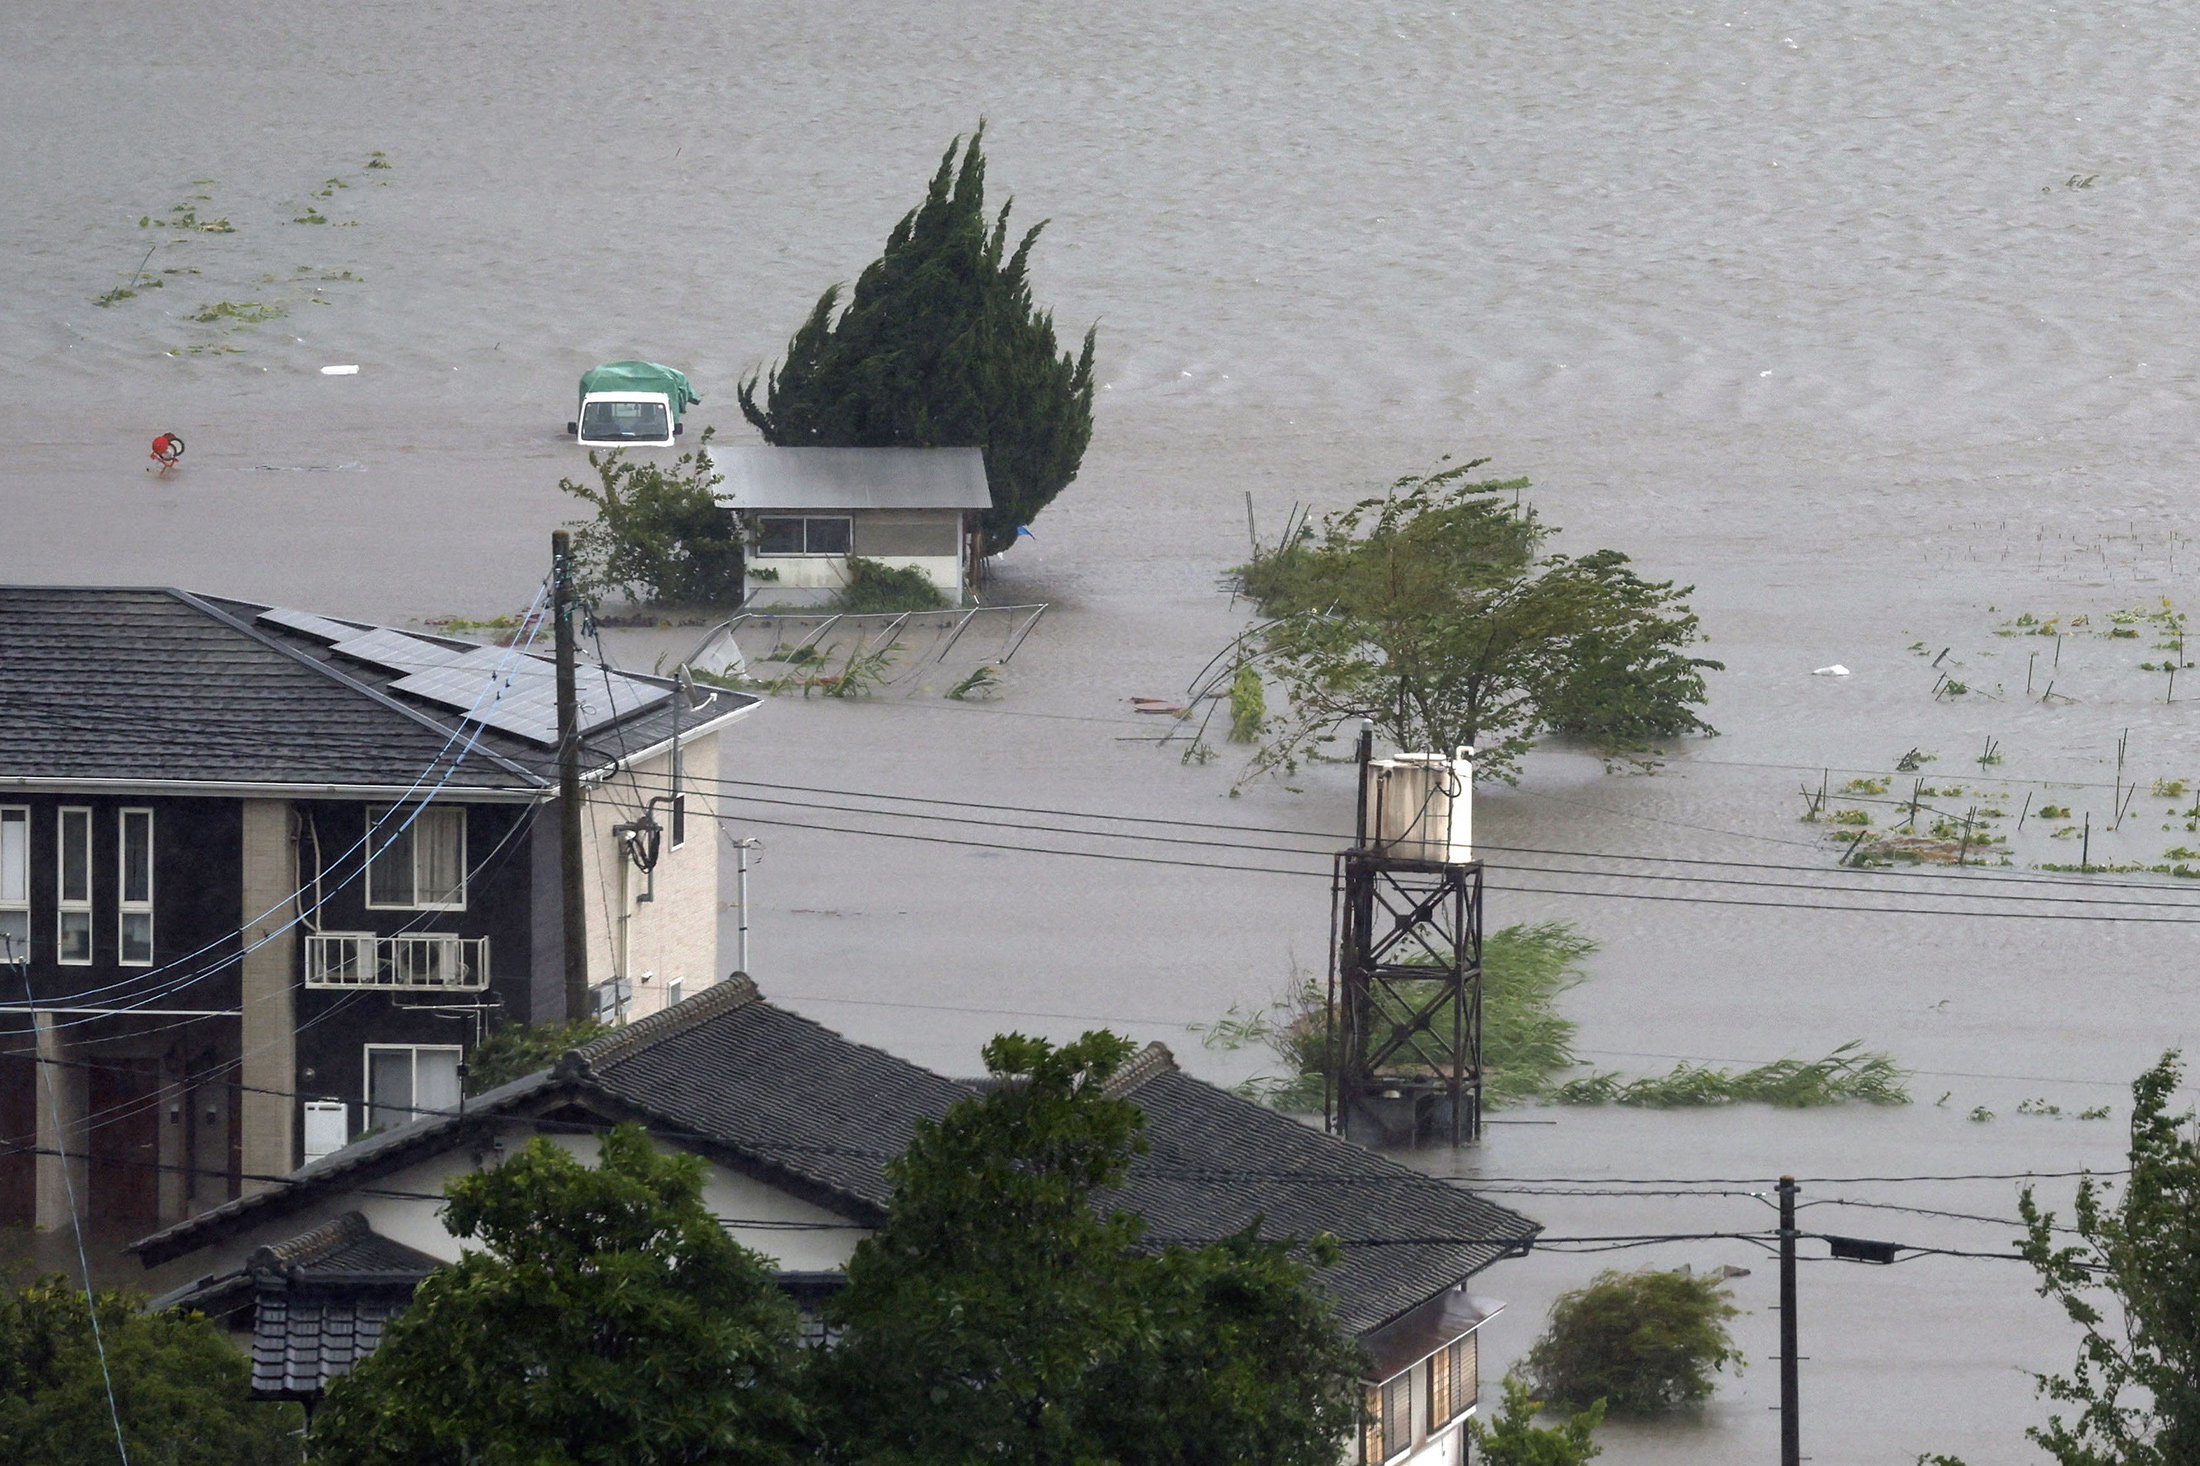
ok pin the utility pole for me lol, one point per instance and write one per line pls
(573, 900)
(1791, 1424)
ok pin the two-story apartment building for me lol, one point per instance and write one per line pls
(266, 875)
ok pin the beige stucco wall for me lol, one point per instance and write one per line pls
(829, 572)
(269, 1027)
(733, 1197)
(669, 943)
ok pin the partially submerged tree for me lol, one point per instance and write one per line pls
(1003, 1313)
(181, 1392)
(941, 347)
(610, 1321)
(1642, 1343)
(2131, 1282)
(1433, 613)
(659, 534)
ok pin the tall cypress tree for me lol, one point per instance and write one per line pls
(941, 347)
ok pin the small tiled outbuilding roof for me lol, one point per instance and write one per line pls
(153, 686)
(319, 1302)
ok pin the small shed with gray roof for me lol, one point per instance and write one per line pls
(806, 511)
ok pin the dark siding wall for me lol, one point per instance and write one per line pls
(334, 1028)
(197, 905)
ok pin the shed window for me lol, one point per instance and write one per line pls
(15, 882)
(404, 1083)
(805, 535)
(135, 916)
(73, 942)
(420, 865)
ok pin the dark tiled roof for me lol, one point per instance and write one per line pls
(798, 1105)
(158, 685)
(1219, 1161)
(303, 1340)
(790, 1095)
(343, 1251)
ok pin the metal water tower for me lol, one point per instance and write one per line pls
(1405, 978)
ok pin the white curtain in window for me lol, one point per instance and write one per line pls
(439, 857)
(435, 1080)
(15, 856)
(389, 1086)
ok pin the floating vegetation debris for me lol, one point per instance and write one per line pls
(246, 312)
(312, 215)
(1980, 1115)
(378, 160)
(186, 216)
(1847, 1073)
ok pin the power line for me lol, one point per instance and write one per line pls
(1522, 889)
(1981, 876)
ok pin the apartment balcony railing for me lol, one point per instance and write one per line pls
(410, 962)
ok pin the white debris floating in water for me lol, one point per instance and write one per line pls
(340, 371)
(1836, 670)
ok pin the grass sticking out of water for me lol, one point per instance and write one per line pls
(1527, 1043)
(248, 312)
(1848, 1073)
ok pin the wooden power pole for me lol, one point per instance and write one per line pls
(569, 782)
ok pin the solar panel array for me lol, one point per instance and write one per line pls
(394, 651)
(510, 691)
(320, 628)
(517, 694)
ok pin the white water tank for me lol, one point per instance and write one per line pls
(1420, 806)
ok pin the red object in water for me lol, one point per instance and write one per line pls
(167, 448)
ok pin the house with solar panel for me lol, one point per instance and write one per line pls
(266, 876)
(795, 1125)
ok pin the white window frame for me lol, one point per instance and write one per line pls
(806, 552)
(366, 1074)
(64, 906)
(384, 815)
(19, 814)
(125, 908)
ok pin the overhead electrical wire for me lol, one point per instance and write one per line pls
(1985, 876)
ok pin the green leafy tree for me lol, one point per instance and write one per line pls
(1004, 1313)
(1433, 612)
(941, 347)
(609, 1322)
(1514, 1439)
(519, 1049)
(659, 534)
(1643, 1343)
(2136, 1384)
(181, 1390)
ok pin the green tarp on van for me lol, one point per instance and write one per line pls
(642, 376)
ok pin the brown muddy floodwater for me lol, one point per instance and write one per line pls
(1873, 321)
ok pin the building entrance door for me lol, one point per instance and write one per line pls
(18, 1137)
(124, 1107)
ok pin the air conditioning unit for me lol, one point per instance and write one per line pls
(1420, 806)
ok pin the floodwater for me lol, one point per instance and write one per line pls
(1871, 321)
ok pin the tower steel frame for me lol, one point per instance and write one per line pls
(1404, 1037)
